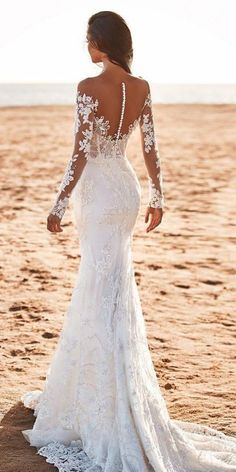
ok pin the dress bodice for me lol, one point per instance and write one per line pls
(102, 128)
(102, 143)
(105, 145)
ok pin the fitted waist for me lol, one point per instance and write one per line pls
(111, 165)
(106, 157)
(104, 161)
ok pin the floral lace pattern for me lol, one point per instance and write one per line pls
(93, 141)
(83, 128)
(148, 130)
(68, 459)
(60, 206)
(84, 106)
(101, 408)
(151, 156)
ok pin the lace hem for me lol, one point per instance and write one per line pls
(202, 448)
(69, 459)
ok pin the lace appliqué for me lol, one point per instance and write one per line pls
(69, 173)
(67, 459)
(102, 125)
(109, 145)
(148, 130)
(60, 207)
(156, 197)
(85, 106)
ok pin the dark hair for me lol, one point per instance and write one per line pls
(112, 36)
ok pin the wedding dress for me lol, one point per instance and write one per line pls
(101, 409)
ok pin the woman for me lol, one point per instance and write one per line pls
(102, 408)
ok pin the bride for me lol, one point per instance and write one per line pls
(101, 408)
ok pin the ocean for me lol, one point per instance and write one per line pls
(64, 94)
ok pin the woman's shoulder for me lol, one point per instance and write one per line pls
(145, 82)
(89, 82)
(92, 88)
(141, 86)
(85, 84)
(88, 88)
(85, 93)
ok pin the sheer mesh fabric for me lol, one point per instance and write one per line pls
(103, 126)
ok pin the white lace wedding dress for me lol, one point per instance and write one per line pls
(101, 408)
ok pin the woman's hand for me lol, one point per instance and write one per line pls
(156, 217)
(54, 224)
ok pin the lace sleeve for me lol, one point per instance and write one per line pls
(151, 154)
(83, 130)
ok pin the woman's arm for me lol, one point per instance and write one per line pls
(151, 154)
(85, 107)
(152, 162)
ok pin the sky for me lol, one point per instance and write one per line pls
(174, 41)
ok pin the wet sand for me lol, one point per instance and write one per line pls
(185, 268)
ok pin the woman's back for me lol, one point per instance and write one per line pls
(108, 108)
(107, 90)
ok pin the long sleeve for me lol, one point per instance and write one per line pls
(151, 154)
(83, 131)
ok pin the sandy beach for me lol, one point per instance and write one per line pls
(185, 268)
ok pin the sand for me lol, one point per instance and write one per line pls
(185, 268)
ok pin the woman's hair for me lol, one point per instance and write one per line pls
(112, 36)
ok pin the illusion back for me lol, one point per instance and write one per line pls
(103, 125)
(111, 134)
(113, 98)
